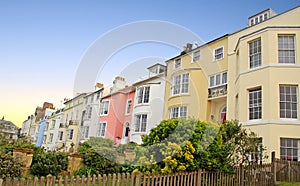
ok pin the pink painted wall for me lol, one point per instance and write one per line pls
(116, 118)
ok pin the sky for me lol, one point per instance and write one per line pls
(43, 43)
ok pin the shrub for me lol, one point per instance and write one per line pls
(49, 163)
(9, 166)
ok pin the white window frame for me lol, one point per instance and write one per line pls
(100, 128)
(180, 85)
(128, 106)
(86, 132)
(255, 104)
(255, 53)
(60, 135)
(177, 63)
(179, 111)
(70, 134)
(288, 100)
(139, 125)
(102, 107)
(50, 137)
(44, 139)
(215, 57)
(293, 147)
(286, 50)
(90, 111)
(196, 56)
(142, 97)
(214, 78)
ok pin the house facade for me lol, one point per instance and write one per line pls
(90, 113)
(53, 131)
(115, 112)
(71, 122)
(148, 104)
(250, 75)
(196, 82)
(263, 68)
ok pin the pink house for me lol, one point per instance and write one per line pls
(116, 115)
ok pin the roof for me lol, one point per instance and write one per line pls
(219, 38)
(268, 9)
(157, 64)
(88, 94)
(265, 20)
(82, 94)
(4, 123)
(148, 79)
(125, 90)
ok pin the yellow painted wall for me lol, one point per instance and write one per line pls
(197, 99)
(268, 76)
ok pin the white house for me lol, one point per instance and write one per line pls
(149, 103)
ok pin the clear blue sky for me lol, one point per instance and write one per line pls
(42, 42)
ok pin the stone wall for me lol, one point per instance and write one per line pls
(75, 163)
(25, 156)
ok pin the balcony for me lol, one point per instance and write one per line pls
(217, 91)
(61, 125)
(73, 122)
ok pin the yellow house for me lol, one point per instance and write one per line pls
(251, 75)
(263, 76)
(71, 123)
(197, 82)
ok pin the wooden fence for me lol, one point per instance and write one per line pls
(244, 176)
(288, 171)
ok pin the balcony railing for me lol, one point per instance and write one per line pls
(61, 125)
(217, 91)
(73, 122)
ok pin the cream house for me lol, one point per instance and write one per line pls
(251, 75)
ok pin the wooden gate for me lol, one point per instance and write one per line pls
(287, 171)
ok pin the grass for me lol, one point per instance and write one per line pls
(288, 184)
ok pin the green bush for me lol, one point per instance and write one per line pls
(86, 171)
(96, 152)
(49, 163)
(9, 166)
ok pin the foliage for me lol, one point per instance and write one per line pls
(99, 156)
(9, 166)
(188, 145)
(7, 146)
(49, 163)
(128, 146)
(87, 171)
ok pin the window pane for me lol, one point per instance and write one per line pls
(255, 53)
(286, 49)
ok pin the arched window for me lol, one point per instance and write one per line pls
(126, 133)
(223, 114)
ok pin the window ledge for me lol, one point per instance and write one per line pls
(178, 95)
(265, 122)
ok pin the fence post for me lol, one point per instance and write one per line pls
(138, 179)
(199, 177)
(48, 180)
(274, 167)
(1, 181)
(289, 171)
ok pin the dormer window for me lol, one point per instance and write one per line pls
(260, 17)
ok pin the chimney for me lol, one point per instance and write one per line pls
(118, 84)
(98, 86)
(187, 48)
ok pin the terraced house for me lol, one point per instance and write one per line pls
(263, 69)
(251, 75)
